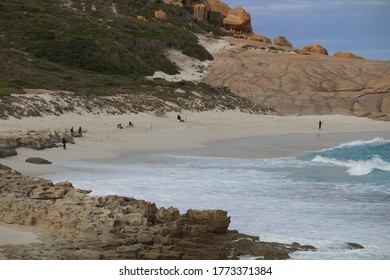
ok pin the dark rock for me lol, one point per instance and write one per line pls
(3, 167)
(353, 246)
(7, 152)
(37, 160)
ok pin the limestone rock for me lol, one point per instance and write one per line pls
(238, 19)
(37, 140)
(215, 221)
(160, 15)
(78, 226)
(38, 160)
(282, 41)
(49, 192)
(347, 55)
(7, 152)
(200, 12)
(315, 48)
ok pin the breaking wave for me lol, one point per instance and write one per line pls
(359, 157)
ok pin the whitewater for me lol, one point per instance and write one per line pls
(323, 198)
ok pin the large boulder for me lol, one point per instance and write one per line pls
(282, 41)
(218, 6)
(239, 20)
(315, 48)
(7, 152)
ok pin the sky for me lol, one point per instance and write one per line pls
(358, 26)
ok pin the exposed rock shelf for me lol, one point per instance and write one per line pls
(76, 225)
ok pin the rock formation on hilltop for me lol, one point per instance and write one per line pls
(282, 41)
(315, 48)
(238, 19)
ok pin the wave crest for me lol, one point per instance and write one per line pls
(357, 168)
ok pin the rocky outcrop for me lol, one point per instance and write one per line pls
(293, 82)
(259, 38)
(347, 55)
(76, 225)
(200, 12)
(217, 6)
(238, 19)
(38, 140)
(315, 48)
(282, 41)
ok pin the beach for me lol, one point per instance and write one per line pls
(214, 132)
(229, 134)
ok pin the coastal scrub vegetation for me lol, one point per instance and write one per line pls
(102, 48)
(61, 42)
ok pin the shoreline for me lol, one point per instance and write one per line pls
(224, 134)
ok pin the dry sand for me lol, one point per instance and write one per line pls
(229, 133)
(217, 133)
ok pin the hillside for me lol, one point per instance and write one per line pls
(173, 55)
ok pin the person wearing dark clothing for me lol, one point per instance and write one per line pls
(319, 124)
(64, 142)
(71, 131)
(179, 118)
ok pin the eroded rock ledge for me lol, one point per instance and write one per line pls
(76, 225)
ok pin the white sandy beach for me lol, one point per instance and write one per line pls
(216, 132)
(104, 141)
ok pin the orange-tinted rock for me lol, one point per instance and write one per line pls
(282, 41)
(200, 12)
(238, 19)
(347, 55)
(315, 48)
(260, 38)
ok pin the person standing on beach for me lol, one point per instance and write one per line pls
(64, 142)
(319, 125)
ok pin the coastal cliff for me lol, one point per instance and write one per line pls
(77, 225)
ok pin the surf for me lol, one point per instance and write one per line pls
(358, 157)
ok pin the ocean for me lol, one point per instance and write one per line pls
(324, 198)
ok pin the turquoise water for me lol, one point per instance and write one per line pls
(324, 198)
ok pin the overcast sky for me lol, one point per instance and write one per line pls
(358, 26)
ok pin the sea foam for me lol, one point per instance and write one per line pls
(358, 168)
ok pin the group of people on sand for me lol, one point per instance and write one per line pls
(120, 126)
